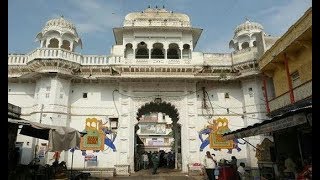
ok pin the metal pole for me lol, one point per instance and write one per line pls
(72, 163)
(300, 150)
(250, 144)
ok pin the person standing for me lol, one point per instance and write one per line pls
(145, 160)
(155, 161)
(209, 165)
(242, 172)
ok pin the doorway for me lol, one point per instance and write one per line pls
(158, 131)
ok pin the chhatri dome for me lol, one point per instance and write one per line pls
(244, 35)
(157, 17)
(59, 32)
(248, 27)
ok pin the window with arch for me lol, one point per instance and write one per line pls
(245, 45)
(142, 51)
(128, 52)
(157, 51)
(186, 52)
(54, 43)
(254, 43)
(65, 45)
(173, 51)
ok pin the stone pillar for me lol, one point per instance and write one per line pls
(191, 113)
(47, 42)
(72, 48)
(125, 147)
(60, 42)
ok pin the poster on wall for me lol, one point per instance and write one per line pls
(94, 139)
(42, 150)
(152, 128)
(98, 135)
(214, 132)
(90, 158)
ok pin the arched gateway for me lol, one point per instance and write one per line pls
(182, 111)
(167, 109)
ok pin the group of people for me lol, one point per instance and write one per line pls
(212, 166)
(155, 160)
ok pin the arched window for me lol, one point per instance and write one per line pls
(128, 52)
(65, 45)
(173, 51)
(54, 43)
(157, 51)
(186, 51)
(244, 45)
(254, 43)
(142, 51)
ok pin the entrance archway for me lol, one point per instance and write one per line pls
(151, 118)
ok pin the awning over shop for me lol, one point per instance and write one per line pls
(60, 138)
(277, 123)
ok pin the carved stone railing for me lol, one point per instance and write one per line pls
(158, 61)
(17, 59)
(300, 92)
(50, 53)
(94, 60)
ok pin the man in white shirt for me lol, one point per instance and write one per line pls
(145, 160)
(209, 165)
(241, 171)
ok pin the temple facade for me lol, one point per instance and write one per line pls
(152, 67)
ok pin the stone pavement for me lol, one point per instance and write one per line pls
(162, 174)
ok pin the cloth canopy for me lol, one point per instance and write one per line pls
(60, 138)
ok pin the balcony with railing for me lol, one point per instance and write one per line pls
(50, 53)
(17, 59)
(300, 92)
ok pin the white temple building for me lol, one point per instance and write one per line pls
(152, 66)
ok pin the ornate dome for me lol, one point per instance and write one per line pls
(60, 24)
(157, 17)
(248, 27)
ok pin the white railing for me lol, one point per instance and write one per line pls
(94, 60)
(17, 59)
(301, 92)
(158, 61)
(49, 53)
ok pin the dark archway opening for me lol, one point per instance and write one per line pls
(158, 131)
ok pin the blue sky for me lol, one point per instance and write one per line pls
(95, 19)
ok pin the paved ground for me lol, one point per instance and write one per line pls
(162, 174)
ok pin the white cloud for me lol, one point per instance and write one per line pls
(280, 18)
(93, 16)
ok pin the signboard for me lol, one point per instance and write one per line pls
(90, 158)
(270, 127)
(152, 128)
(42, 150)
(156, 142)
